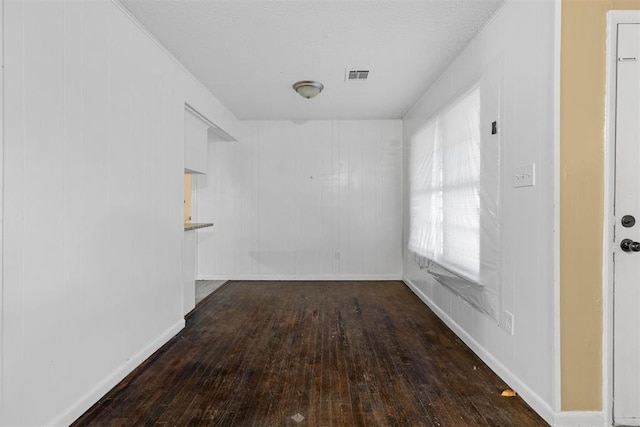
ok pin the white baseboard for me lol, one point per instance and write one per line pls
(84, 403)
(579, 419)
(536, 402)
(556, 419)
(300, 277)
(559, 419)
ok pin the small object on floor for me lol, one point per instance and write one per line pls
(509, 393)
(298, 417)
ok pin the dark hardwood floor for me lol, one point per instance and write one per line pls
(335, 353)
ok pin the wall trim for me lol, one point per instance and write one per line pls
(557, 339)
(536, 402)
(1, 194)
(608, 221)
(579, 419)
(81, 405)
(300, 277)
(214, 127)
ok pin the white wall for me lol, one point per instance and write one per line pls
(93, 183)
(291, 195)
(520, 40)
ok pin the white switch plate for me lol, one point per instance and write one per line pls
(524, 176)
(508, 322)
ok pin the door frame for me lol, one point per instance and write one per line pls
(614, 18)
(1, 195)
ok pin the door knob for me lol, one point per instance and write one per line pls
(629, 245)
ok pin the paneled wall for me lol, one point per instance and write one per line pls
(291, 200)
(93, 183)
(519, 41)
(582, 181)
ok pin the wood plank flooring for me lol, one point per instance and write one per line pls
(335, 353)
(205, 287)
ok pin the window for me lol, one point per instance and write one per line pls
(445, 185)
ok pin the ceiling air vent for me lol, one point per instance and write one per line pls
(356, 75)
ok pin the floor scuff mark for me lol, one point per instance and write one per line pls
(298, 417)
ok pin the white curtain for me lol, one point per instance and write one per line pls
(454, 224)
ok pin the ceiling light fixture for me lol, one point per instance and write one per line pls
(307, 88)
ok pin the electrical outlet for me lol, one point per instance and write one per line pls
(337, 255)
(508, 322)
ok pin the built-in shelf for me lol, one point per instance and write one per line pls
(188, 226)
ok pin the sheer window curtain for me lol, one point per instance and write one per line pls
(452, 217)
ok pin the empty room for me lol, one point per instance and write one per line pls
(320, 212)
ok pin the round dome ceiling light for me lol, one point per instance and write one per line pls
(307, 88)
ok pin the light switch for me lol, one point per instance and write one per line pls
(524, 176)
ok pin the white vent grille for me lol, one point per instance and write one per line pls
(356, 75)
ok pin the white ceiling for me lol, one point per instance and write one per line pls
(249, 53)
